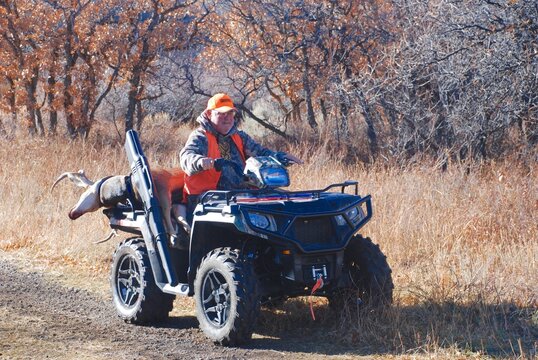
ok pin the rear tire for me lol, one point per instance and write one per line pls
(226, 297)
(135, 295)
(369, 276)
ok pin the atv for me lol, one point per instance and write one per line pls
(246, 248)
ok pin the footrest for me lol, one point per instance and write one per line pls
(179, 289)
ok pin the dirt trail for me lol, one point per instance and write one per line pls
(40, 318)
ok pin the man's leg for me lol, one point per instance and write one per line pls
(180, 213)
(192, 201)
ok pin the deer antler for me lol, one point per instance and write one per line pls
(78, 178)
(112, 234)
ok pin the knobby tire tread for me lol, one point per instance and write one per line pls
(155, 305)
(247, 309)
(375, 278)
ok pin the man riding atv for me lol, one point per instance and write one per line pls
(218, 137)
(245, 247)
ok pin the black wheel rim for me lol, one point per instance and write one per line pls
(128, 281)
(216, 298)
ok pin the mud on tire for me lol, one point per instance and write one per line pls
(369, 275)
(226, 297)
(135, 295)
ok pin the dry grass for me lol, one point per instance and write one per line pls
(463, 245)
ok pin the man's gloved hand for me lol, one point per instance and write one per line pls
(287, 159)
(207, 163)
(294, 159)
(281, 157)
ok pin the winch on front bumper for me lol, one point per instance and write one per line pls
(306, 269)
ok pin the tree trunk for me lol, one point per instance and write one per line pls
(390, 113)
(135, 90)
(30, 107)
(337, 133)
(136, 79)
(12, 101)
(131, 106)
(480, 147)
(68, 103)
(310, 116)
(370, 131)
(53, 114)
(104, 93)
(344, 115)
(39, 122)
(323, 110)
(139, 115)
(87, 99)
(3, 131)
(33, 121)
(51, 83)
(37, 109)
(70, 60)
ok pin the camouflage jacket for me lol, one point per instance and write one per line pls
(190, 157)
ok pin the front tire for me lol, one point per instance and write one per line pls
(225, 293)
(369, 277)
(135, 295)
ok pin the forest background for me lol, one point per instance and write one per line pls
(376, 80)
(431, 105)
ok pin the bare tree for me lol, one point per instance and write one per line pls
(462, 77)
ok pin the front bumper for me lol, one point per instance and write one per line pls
(304, 270)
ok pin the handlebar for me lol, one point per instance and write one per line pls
(255, 173)
(281, 158)
(220, 163)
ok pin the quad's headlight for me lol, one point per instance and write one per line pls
(262, 221)
(352, 213)
(340, 221)
(355, 214)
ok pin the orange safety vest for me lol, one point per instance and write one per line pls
(208, 179)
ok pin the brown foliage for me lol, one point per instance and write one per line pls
(373, 79)
(68, 55)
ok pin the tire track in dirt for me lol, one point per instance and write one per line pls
(41, 319)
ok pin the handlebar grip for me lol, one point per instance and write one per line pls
(282, 158)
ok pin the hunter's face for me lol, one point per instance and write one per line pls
(223, 121)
